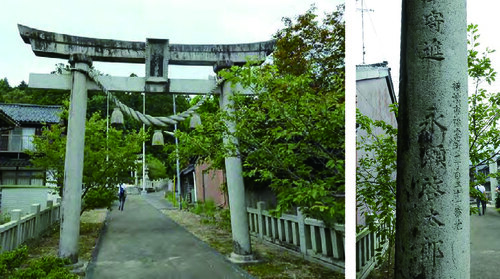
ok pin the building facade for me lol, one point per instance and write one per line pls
(19, 124)
(374, 96)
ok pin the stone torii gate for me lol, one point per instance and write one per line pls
(156, 54)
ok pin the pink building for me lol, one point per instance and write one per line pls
(208, 185)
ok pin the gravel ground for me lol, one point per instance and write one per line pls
(275, 262)
(96, 216)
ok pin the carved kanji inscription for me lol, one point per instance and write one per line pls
(431, 139)
(433, 50)
(432, 251)
(434, 21)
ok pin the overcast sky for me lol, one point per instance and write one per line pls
(182, 22)
(382, 26)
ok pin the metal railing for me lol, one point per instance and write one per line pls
(16, 143)
(310, 237)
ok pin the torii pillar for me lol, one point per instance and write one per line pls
(242, 248)
(73, 165)
(432, 208)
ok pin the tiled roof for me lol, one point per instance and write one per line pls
(6, 120)
(27, 113)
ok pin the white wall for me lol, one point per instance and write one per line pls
(373, 100)
(23, 198)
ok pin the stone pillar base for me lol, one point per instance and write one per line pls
(143, 192)
(78, 268)
(242, 259)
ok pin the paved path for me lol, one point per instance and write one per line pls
(141, 242)
(485, 245)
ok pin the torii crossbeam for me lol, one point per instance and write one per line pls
(55, 45)
(156, 54)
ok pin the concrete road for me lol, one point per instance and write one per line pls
(141, 242)
(485, 245)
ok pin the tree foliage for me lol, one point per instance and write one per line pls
(22, 94)
(107, 160)
(291, 133)
(484, 111)
(293, 130)
(376, 177)
(205, 141)
(156, 169)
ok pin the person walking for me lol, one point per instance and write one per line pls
(481, 201)
(122, 195)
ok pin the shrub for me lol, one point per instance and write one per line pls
(170, 196)
(206, 210)
(186, 205)
(15, 265)
(225, 219)
(4, 218)
(45, 267)
(11, 260)
(99, 198)
(198, 208)
(209, 208)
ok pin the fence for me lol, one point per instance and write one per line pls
(22, 228)
(367, 244)
(310, 237)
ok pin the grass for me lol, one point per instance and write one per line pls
(4, 218)
(170, 196)
(274, 262)
(47, 245)
(384, 268)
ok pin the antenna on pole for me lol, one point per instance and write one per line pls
(363, 26)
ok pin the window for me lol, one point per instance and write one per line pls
(23, 177)
(28, 134)
(15, 139)
(4, 141)
(8, 178)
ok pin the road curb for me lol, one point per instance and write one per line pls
(91, 264)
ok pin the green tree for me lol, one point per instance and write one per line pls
(291, 133)
(23, 85)
(204, 142)
(376, 178)
(484, 111)
(22, 94)
(156, 169)
(107, 160)
(4, 89)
